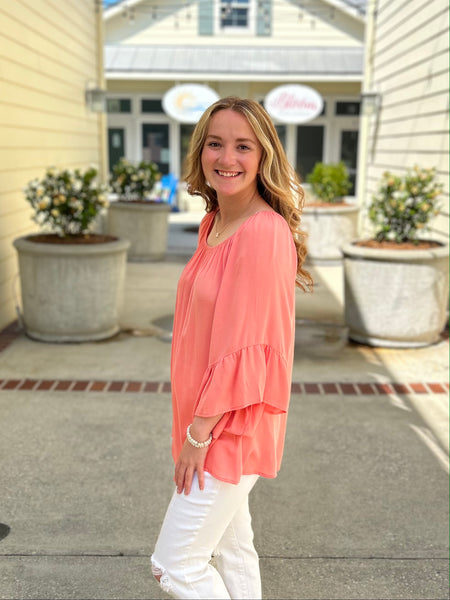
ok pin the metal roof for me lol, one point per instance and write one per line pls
(214, 61)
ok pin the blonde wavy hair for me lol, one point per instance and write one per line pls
(277, 181)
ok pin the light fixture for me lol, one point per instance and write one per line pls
(371, 102)
(96, 99)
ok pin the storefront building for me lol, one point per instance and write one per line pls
(245, 48)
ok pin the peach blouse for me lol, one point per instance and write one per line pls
(233, 341)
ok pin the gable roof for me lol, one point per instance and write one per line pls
(354, 8)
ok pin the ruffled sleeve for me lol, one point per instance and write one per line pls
(250, 354)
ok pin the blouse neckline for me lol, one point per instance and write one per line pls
(211, 225)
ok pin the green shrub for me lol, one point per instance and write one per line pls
(133, 182)
(329, 182)
(67, 200)
(404, 204)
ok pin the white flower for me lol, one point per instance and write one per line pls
(54, 212)
(44, 203)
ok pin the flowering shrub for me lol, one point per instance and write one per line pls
(329, 182)
(134, 181)
(68, 200)
(404, 205)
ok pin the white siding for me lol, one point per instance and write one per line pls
(410, 71)
(48, 53)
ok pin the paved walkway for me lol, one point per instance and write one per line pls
(359, 510)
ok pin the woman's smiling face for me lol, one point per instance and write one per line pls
(231, 155)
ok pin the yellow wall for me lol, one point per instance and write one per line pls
(407, 64)
(49, 51)
(154, 22)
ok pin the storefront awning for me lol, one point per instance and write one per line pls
(226, 63)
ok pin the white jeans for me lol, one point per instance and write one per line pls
(213, 522)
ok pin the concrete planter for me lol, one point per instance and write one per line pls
(145, 225)
(73, 292)
(329, 228)
(395, 298)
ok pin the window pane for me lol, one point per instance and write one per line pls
(348, 109)
(236, 17)
(151, 106)
(118, 105)
(309, 148)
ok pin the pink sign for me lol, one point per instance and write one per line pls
(293, 103)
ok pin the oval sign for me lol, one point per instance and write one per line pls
(186, 103)
(293, 103)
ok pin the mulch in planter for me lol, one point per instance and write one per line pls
(53, 238)
(390, 245)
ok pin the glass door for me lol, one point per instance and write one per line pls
(349, 155)
(309, 148)
(116, 145)
(186, 131)
(155, 145)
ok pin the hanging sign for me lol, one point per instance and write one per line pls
(293, 103)
(186, 103)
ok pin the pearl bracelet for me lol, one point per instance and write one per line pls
(194, 442)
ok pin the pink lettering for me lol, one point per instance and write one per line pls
(286, 101)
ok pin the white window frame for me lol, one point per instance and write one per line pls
(250, 29)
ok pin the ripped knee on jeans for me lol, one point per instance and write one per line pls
(161, 576)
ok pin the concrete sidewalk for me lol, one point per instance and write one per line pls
(359, 510)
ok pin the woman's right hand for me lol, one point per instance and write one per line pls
(190, 461)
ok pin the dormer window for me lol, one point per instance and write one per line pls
(235, 16)
(223, 17)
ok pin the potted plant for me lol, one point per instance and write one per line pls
(71, 279)
(396, 283)
(328, 219)
(140, 214)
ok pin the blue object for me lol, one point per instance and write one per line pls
(169, 185)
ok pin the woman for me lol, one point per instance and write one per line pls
(232, 351)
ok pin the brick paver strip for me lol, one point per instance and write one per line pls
(98, 386)
(383, 388)
(11, 384)
(116, 386)
(45, 384)
(330, 388)
(28, 384)
(365, 388)
(312, 388)
(80, 386)
(348, 388)
(151, 386)
(133, 386)
(436, 388)
(63, 385)
(418, 388)
(401, 388)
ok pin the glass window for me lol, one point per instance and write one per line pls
(151, 106)
(118, 105)
(234, 13)
(309, 148)
(347, 109)
(155, 145)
